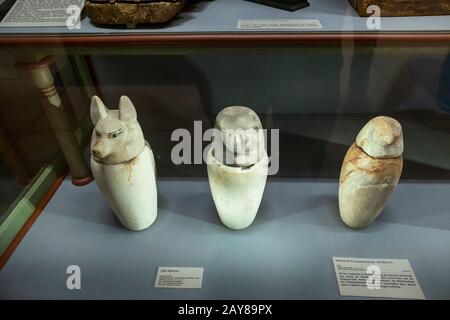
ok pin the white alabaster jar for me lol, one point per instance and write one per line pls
(238, 187)
(123, 164)
(370, 172)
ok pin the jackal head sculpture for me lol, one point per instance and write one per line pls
(117, 135)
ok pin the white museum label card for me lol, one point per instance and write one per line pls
(43, 13)
(385, 278)
(179, 278)
(293, 24)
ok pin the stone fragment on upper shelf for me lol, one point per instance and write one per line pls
(113, 12)
(381, 137)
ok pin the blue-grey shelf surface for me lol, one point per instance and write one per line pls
(286, 254)
(221, 16)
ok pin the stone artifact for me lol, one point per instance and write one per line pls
(132, 12)
(237, 166)
(399, 8)
(123, 165)
(370, 171)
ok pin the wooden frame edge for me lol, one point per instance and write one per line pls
(225, 38)
(30, 221)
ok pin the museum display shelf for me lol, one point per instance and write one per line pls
(286, 254)
(220, 18)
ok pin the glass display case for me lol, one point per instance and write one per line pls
(314, 77)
